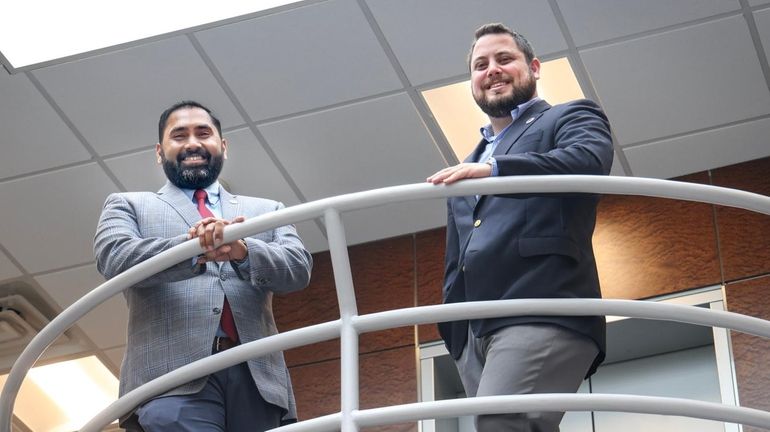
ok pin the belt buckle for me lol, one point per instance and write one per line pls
(218, 343)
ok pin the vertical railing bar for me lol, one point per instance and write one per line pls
(343, 280)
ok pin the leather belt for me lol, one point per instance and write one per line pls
(222, 343)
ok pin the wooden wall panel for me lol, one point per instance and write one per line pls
(316, 388)
(751, 353)
(647, 247)
(314, 305)
(384, 279)
(430, 247)
(744, 236)
(387, 378)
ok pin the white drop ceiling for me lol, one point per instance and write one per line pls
(324, 98)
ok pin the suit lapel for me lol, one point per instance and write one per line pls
(522, 123)
(517, 129)
(230, 205)
(177, 199)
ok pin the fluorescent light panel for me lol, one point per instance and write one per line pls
(62, 397)
(460, 118)
(40, 31)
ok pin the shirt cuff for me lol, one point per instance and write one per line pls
(493, 163)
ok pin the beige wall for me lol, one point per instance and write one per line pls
(645, 247)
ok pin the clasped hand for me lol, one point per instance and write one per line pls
(210, 234)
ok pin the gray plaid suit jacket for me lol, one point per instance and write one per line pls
(174, 315)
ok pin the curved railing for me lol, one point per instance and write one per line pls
(350, 325)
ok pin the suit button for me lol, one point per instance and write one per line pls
(216, 310)
(477, 223)
(222, 276)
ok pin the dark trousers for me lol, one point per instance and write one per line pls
(230, 402)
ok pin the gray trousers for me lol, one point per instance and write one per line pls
(525, 359)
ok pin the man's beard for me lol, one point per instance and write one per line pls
(197, 177)
(502, 106)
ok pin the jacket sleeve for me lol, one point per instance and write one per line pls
(119, 244)
(582, 145)
(452, 254)
(282, 265)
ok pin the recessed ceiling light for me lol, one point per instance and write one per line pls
(39, 32)
(64, 396)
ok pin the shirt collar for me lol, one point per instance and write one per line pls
(212, 191)
(489, 135)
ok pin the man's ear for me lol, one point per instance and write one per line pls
(534, 67)
(224, 148)
(158, 152)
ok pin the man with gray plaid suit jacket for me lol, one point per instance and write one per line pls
(174, 316)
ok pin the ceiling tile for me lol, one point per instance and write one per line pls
(588, 21)
(431, 38)
(357, 147)
(115, 355)
(701, 151)
(617, 168)
(54, 223)
(8, 269)
(138, 171)
(106, 324)
(758, 2)
(248, 171)
(34, 137)
(694, 78)
(115, 99)
(762, 18)
(393, 220)
(300, 59)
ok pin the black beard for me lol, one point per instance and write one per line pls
(198, 177)
(503, 106)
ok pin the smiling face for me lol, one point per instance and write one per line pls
(501, 78)
(192, 151)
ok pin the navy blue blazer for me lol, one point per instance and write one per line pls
(531, 246)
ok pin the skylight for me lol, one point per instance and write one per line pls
(36, 32)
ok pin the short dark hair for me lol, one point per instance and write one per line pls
(163, 122)
(498, 28)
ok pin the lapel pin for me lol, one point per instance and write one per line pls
(529, 120)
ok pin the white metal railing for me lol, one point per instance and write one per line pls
(351, 325)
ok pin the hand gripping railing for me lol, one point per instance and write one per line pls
(351, 325)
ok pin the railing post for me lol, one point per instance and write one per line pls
(346, 296)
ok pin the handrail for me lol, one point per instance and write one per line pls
(423, 315)
(330, 208)
(540, 402)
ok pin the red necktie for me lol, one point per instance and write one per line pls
(226, 321)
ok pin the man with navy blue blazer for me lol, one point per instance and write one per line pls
(200, 306)
(523, 246)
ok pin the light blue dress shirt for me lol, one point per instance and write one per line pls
(493, 140)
